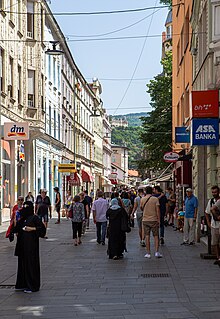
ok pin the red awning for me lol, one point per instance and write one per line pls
(74, 179)
(86, 177)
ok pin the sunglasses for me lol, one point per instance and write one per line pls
(20, 200)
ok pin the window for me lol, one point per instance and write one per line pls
(2, 73)
(202, 38)
(58, 77)
(54, 123)
(19, 15)
(54, 71)
(215, 21)
(19, 84)
(169, 32)
(10, 77)
(42, 92)
(11, 10)
(186, 31)
(2, 4)
(49, 118)
(30, 19)
(58, 127)
(31, 88)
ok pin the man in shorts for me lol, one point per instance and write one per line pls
(42, 205)
(151, 220)
(139, 214)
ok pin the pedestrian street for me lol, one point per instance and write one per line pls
(81, 282)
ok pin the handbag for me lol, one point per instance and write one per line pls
(9, 233)
(70, 213)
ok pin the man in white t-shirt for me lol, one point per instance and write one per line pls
(99, 209)
(212, 209)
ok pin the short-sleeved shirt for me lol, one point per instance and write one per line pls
(43, 205)
(137, 200)
(190, 204)
(163, 201)
(214, 223)
(150, 208)
(100, 206)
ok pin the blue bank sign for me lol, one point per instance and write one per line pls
(205, 131)
(182, 135)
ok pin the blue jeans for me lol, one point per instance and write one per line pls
(101, 231)
(162, 215)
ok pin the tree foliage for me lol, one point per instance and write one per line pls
(129, 136)
(166, 2)
(157, 127)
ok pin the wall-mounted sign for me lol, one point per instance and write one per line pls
(171, 157)
(182, 135)
(16, 131)
(205, 132)
(205, 103)
(67, 168)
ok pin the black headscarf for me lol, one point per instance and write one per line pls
(27, 210)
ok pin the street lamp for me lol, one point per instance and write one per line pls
(54, 51)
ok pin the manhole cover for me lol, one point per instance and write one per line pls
(7, 286)
(154, 275)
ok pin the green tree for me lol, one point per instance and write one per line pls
(157, 127)
(129, 136)
(166, 2)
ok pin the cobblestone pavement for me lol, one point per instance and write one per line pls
(81, 282)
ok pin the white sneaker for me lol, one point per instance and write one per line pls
(147, 256)
(158, 255)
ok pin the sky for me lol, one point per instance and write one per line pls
(123, 66)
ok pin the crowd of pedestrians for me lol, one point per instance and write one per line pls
(114, 217)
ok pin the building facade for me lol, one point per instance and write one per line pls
(41, 86)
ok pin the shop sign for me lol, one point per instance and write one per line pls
(16, 131)
(182, 135)
(66, 168)
(205, 103)
(171, 157)
(205, 132)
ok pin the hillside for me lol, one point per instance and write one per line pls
(130, 136)
(132, 118)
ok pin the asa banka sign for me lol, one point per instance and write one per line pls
(205, 131)
(205, 117)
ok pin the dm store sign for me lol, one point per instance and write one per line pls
(205, 132)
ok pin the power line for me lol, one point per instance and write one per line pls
(94, 12)
(118, 79)
(111, 32)
(139, 58)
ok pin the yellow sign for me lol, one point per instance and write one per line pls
(67, 168)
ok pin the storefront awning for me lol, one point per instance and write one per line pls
(74, 179)
(106, 181)
(87, 177)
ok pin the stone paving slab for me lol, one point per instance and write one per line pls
(81, 282)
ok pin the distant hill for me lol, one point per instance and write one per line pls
(132, 118)
(130, 136)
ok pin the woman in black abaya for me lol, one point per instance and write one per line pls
(29, 228)
(116, 237)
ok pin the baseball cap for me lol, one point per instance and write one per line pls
(189, 190)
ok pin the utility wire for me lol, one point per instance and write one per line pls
(135, 69)
(94, 12)
(111, 32)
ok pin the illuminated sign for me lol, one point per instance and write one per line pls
(205, 103)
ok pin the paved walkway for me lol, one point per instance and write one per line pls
(81, 282)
